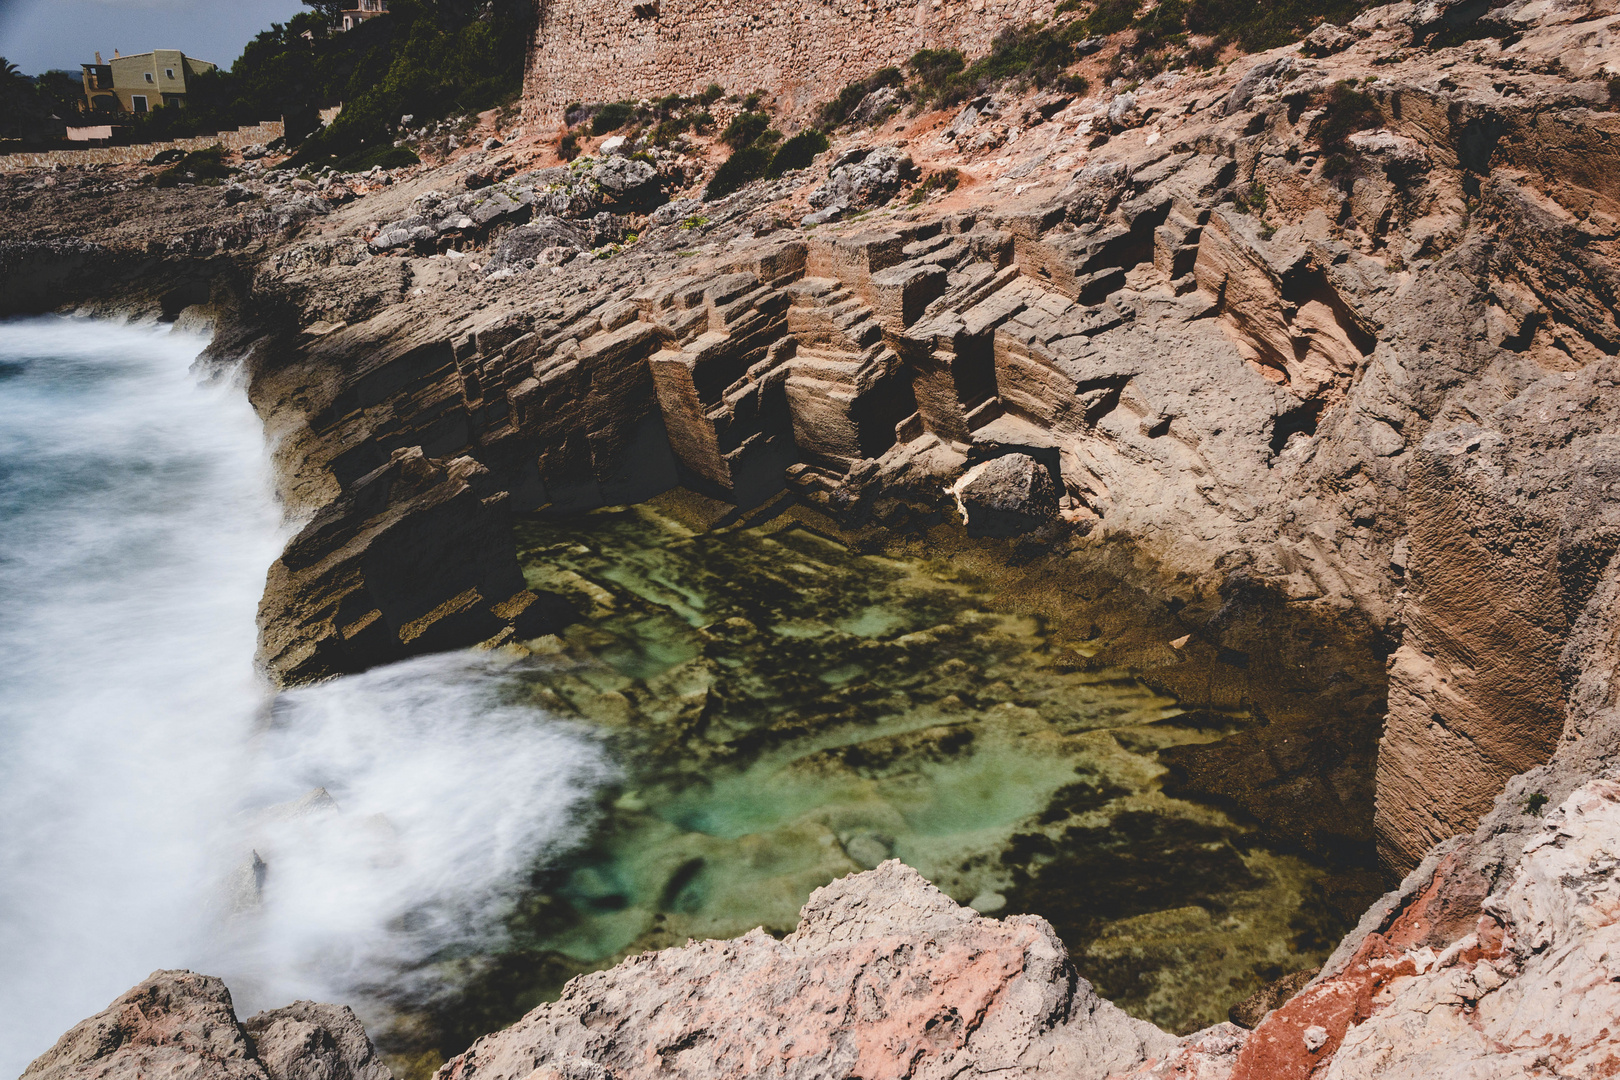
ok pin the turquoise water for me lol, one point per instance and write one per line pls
(784, 711)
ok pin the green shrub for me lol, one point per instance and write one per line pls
(744, 128)
(568, 146)
(1032, 54)
(740, 168)
(1035, 54)
(1203, 57)
(205, 166)
(1346, 111)
(944, 180)
(1257, 25)
(1166, 23)
(751, 102)
(428, 58)
(668, 130)
(389, 157)
(711, 94)
(835, 112)
(933, 68)
(1110, 17)
(882, 77)
(1535, 802)
(612, 117)
(797, 153)
(702, 121)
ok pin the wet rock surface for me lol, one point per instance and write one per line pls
(374, 589)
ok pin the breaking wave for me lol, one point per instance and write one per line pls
(159, 807)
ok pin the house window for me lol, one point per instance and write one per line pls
(138, 102)
(149, 77)
(168, 72)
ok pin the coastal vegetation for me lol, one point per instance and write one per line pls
(425, 59)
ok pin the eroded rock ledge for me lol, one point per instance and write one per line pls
(1378, 379)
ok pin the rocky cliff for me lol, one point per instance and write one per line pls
(1334, 326)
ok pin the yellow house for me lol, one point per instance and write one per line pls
(362, 11)
(140, 83)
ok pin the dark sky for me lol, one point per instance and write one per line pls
(38, 35)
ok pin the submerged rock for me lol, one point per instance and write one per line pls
(885, 976)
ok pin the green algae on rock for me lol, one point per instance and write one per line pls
(786, 711)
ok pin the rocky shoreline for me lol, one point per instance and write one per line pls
(1267, 378)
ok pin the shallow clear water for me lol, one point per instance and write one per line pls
(785, 711)
(143, 763)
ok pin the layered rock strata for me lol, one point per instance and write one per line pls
(1375, 374)
(1240, 350)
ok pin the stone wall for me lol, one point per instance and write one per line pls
(266, 132)
(607, 50)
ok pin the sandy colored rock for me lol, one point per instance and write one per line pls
(311, 1041)
(183, 1025)
(175, 1023)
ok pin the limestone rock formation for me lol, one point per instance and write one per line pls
(413, 559)
(182, 1025)
(865, 179)
(885, 976)
(1456, 982)
(1371, 372)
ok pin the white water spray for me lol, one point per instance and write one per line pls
(138, 750)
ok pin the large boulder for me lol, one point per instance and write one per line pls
(519, 247)
(175, 1024)
(630, 183)
(870, 180)
(1006, 496)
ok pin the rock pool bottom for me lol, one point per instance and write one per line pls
(784, 711)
